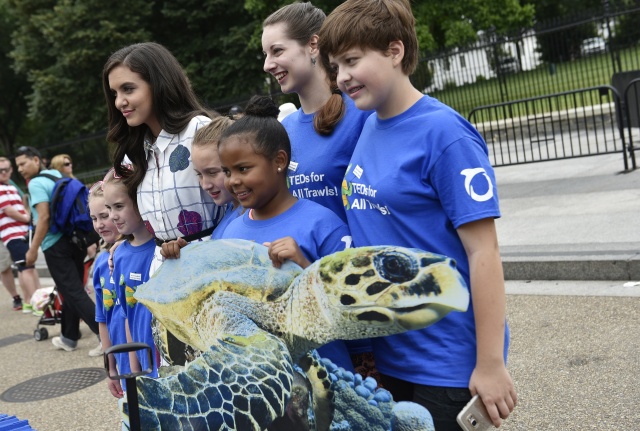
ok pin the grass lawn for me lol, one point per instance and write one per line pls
(580, 73)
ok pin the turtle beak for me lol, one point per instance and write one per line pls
(420, 302)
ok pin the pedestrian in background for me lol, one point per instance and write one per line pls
(63, 164)
(65, 259)
(14, 230)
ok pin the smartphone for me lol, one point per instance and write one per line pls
(474, 416)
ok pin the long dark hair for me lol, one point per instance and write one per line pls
(174, 102)
(302, 21)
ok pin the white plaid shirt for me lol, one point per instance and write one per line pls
(170, 198)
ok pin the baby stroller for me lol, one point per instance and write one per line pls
(52, 306)
(52, 313)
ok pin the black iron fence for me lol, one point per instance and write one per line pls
(631, 100)
(550, 58)
(574, 123)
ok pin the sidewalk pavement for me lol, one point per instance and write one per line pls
(575, 350)
(574, 219)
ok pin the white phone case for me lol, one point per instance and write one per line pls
(474, 416)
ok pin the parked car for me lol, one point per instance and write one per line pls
(508, 65)
(593, 45)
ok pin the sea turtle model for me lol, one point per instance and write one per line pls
(254, 323)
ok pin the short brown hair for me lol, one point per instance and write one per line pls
(370, 24)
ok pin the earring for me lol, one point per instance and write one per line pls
(279, 169)
(313, 61)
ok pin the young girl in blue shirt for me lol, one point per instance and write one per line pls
(324, 131)
(131, 265)
(110, 317)
(255, 152)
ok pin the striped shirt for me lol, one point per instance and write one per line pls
(10, 228)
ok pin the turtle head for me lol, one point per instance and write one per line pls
(391, 289)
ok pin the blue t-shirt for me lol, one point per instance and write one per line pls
(131, 269)
(318, 162)
(230, 214)
(108, 308)
(318, 232)
(40, 190)
(412, 181)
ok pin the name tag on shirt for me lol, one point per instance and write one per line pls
(357, 171)
(135, 276)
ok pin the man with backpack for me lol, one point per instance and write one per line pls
(63, 254)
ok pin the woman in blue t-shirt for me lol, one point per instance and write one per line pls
(324, 131)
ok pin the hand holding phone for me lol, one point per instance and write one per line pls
(474, 416)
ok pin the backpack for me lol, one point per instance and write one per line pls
(69, 209)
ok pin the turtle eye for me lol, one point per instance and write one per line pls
(396, 267)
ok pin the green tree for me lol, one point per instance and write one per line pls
(556, 49)
(13, 88)
(442, 24)
(61, 46)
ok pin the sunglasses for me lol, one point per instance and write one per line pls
(4, 170)
(67, 164)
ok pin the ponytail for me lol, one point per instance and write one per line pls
(332, 111)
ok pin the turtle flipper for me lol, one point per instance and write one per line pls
(242, 382)
(323, 402)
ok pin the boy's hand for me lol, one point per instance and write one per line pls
(286, 248)
(496, 389)
(171, 249)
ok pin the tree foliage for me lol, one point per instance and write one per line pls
(445, 23)
(57, 49)
(61, 46)
(13, 88)
(555, 13)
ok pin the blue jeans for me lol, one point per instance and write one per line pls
(443, 403)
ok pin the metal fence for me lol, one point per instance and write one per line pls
(631, 100)
(580, 52)
(564, 125)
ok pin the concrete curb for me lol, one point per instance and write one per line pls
(605, 269)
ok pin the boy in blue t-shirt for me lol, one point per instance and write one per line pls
(420, 177)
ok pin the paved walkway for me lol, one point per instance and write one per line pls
(575, 349)
(575, 219)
